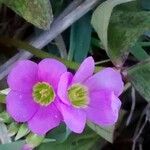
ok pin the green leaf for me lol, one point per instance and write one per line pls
(60, 133)
(106, 133)
(23, 131)
(122, 30)
(4, 138)
(85, 141)
(12, 146)
(100, 22)
(33, 140)
(13, 129)
(37, 12)
(139, 52)
(80, 39)
(5, 117)
(95, 42)
(139, 76)
(57, 6)
(125, 29)
(145, 4)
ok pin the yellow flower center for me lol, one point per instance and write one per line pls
(78, 95)
(43, 93)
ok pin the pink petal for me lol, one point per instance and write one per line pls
(45, 119)
(64, 82)
(23, 76)
(107, 79)
(85, 70)
(27, 147)
(74, 118)
(50, 71)
(20, 106)
(103, 108)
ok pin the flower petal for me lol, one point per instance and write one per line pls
(50, 71)
(104, 108)
(85, 70)
(108, 79)
(45, 119)
(74, 118)
(23, 76)
(64, 82)
(27, 147)
(20, 106)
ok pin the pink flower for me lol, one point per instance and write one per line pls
(33, 97)
(85, 96)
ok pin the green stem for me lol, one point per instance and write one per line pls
(39, 53)
(102, 62)
(144, 44)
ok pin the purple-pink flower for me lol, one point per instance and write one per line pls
(33, 96)
(45, 94)
(87, 97)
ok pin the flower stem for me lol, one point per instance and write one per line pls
(39, 53)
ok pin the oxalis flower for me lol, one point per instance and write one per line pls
(33, 97)
(87, 97)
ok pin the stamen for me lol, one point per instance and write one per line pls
(43, 93)
(78, 95)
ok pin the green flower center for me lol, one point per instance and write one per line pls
(78, 95)
(43, 93)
